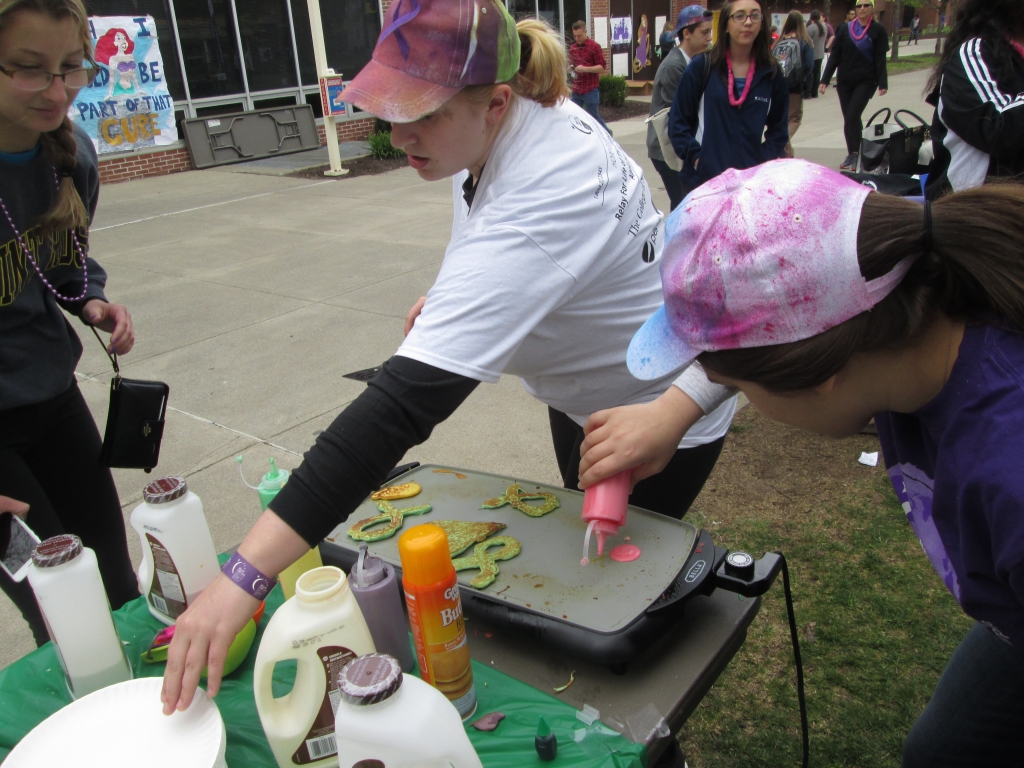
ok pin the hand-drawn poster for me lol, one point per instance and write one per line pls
(127, 106)
(621, 31)
(642, 59)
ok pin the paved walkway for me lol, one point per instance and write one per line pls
(252, 294)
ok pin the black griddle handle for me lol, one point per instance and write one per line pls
(401, 469)
(765, 571)
(695, 578)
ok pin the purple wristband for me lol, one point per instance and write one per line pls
(245, 575)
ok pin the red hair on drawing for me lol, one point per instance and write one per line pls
(107, 47)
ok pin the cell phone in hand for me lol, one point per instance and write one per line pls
(17, 542)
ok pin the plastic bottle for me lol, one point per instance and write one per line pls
(604, 508)
(375, 586)
(399, 721)
(323, 630)
(435, 614)
(271, 483)
(66, 580)
(178, 557)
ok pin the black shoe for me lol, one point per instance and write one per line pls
(850, 163)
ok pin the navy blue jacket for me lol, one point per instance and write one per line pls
(705, 126)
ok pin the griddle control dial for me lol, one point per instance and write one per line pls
(740, 565)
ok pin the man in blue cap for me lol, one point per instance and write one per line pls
(693, 30)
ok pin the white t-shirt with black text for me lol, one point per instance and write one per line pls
(552, 271)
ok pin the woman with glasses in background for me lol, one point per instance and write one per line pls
(859, 54)
(49, 186)
(732, 106)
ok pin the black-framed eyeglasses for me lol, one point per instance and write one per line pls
(39, 80)
(740, 17)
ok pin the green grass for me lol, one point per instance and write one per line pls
(883, 625)
(910, 64)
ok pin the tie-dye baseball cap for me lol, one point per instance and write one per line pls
(430, 49)
(753, 258)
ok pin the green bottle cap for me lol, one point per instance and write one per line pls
(542, 728)
(275, 478)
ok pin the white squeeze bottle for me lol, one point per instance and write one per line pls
(178, 557)
(395, 720)
(66, 580)
(322, 628)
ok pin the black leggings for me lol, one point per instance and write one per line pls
(670, 492)
(853, 100)
(49, 458)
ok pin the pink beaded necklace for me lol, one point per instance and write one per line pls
(35, 266)
(864, 29)
(733, 101)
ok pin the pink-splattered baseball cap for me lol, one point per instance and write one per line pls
(758, 257)
(428, 50)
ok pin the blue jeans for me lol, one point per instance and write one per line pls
(590, 101)
(976, 715)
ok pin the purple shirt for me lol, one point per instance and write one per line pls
(958, 468)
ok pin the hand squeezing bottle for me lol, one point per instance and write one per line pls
(604, 509)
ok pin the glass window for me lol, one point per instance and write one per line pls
(208, 47)
(522, 9)
(351, 28)
(161, 14)
(266, 44)
(575, 10)
(548, 11)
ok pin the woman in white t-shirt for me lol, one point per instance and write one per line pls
(552, 267)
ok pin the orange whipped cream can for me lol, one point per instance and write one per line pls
(435, 614)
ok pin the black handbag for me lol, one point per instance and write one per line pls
(893, 149)
(135, 421)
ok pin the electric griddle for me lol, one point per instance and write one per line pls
(606, 612)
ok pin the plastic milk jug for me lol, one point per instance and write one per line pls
(178, 557)
(323, 630)
(272, 482)
(66, 580)
(435, 615)
(395, 720)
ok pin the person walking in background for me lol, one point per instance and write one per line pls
(732, 104)
(830, 38)
(587, 64)
(819, 37)
(977, 90)
(693, 27)
(795, 56)
(667, 41)
(915, 29)
(859, 55)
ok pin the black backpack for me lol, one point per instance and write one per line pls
(787, 53)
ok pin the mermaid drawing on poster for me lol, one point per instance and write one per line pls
(114, 49)
(643, 58)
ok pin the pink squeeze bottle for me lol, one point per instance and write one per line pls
(604, 509)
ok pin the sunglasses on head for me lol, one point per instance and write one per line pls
(865, 5)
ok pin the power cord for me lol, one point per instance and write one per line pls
(796, 657)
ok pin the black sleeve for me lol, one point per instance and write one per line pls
(351, 458)
(834, 57)
(881, 49)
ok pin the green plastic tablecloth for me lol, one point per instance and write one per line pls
(33, 688)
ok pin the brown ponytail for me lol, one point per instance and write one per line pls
(68, 211)
(974, 271)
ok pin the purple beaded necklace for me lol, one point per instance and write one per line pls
(35, 266)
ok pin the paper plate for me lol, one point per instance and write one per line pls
(123, 726)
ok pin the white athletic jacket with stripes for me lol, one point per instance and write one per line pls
(978, 129)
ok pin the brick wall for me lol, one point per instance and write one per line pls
(348, 130)
(140, 165)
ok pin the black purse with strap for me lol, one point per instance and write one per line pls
(135, 421)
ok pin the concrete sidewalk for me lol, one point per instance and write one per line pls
(252, 294)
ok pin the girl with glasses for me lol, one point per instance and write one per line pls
(49, 186)
(732, 104)
(858, 53)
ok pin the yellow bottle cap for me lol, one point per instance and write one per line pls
(425, 556)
